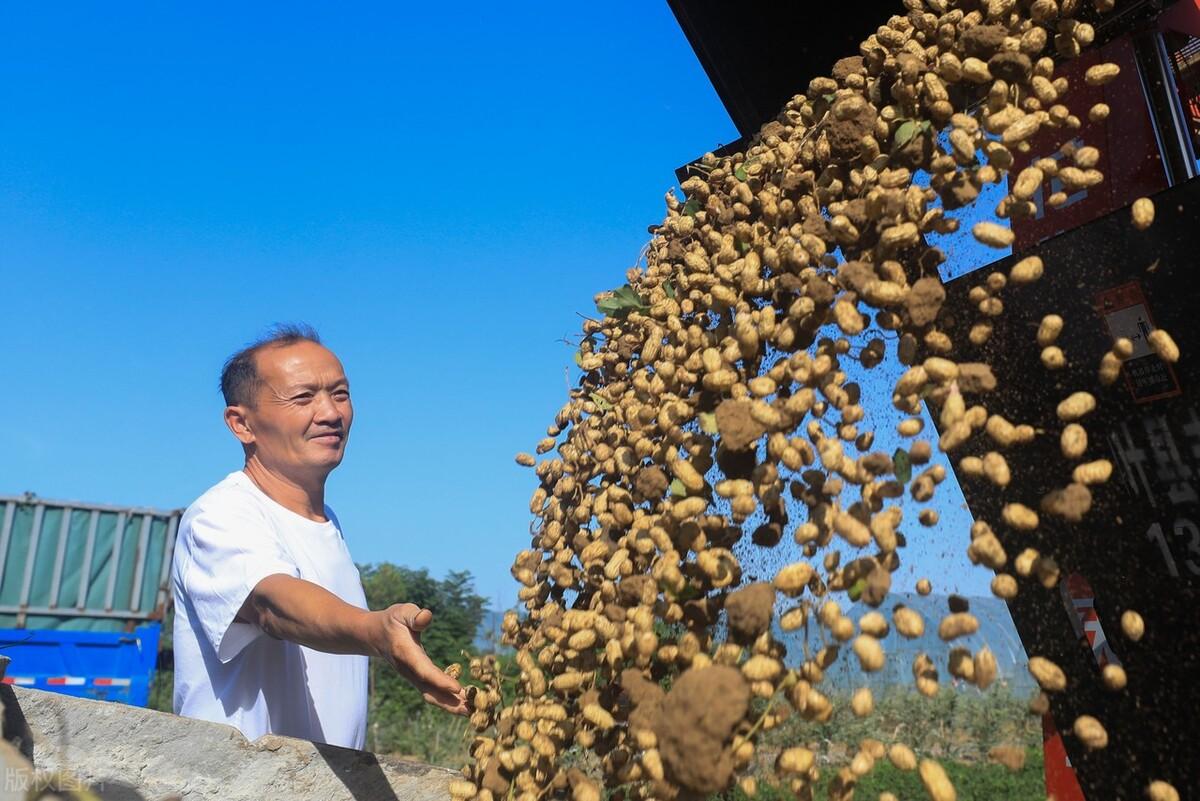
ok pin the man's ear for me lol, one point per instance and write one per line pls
(235, 418)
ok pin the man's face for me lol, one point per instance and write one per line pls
(301, 420)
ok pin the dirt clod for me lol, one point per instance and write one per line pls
(749, 610)
(739, 429)
(925, 301)
(695, 724)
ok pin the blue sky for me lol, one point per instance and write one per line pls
(438, 189)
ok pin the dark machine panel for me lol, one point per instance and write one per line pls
(1139, 546)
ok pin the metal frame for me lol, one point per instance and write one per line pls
(64, 532)
(1148, 99)
(1178, 118)
(125, 517)
(89, 548)
(115, 562)
(35, 533)
(10, 511)
(29, 499)
(139, 563)
(1162, 102)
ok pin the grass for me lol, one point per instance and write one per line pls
(959, 726)
(956, 728)
(972, 782)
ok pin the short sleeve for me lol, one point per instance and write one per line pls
(232, 546)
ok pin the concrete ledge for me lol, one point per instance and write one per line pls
(134, 754)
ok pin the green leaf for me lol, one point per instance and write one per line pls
(579, 358)
(677, 488)
(626, 295)
(743, 247)
(600, 401)
(926, 125)
(669, 289)
(905, 132)
(856, 590)
(829, 97)
(708, 422)
(622, 301)
(611, 307)
(902, 465)
(691, 207)
(688, 592)
(740, 173)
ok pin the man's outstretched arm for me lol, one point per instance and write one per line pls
(290, 608)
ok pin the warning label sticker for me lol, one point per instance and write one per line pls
(1127, 315)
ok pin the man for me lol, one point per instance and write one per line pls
(272, 632)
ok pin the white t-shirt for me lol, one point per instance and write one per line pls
(231, 538)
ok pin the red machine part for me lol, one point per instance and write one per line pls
(1061, 783)
(1080, 602)
(1081, 608)
(1129, 156)
(1180, 26)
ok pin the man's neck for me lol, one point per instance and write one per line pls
(306, 499)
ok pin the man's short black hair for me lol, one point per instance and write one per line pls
(240, 380)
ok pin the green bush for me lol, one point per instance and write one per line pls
(162, 685)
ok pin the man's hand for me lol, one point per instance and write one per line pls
(296, 610)
(400, 644)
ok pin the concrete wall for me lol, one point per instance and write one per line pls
(133, 754)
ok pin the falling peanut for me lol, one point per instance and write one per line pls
(902, 757)
(1096, 472)
(869, 652)
(937, 783)
(908, 622)
(1163, 345)
(993, 235)
(1132, 625)
(957, 624)
(1073, 441)
(1049, 329)
(1159, 790)
(1090, 732)
(1026, 271)
(1114, 677)
(862, 703)
(1053, 358)
(1075, 406)
(1004, 586)
(1049, 676)
(1142, 212)
(1101, 74)
(1019, 516)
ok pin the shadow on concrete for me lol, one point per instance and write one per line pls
(361, 772)
(113, 790)
(15, 728)
(16, 731)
